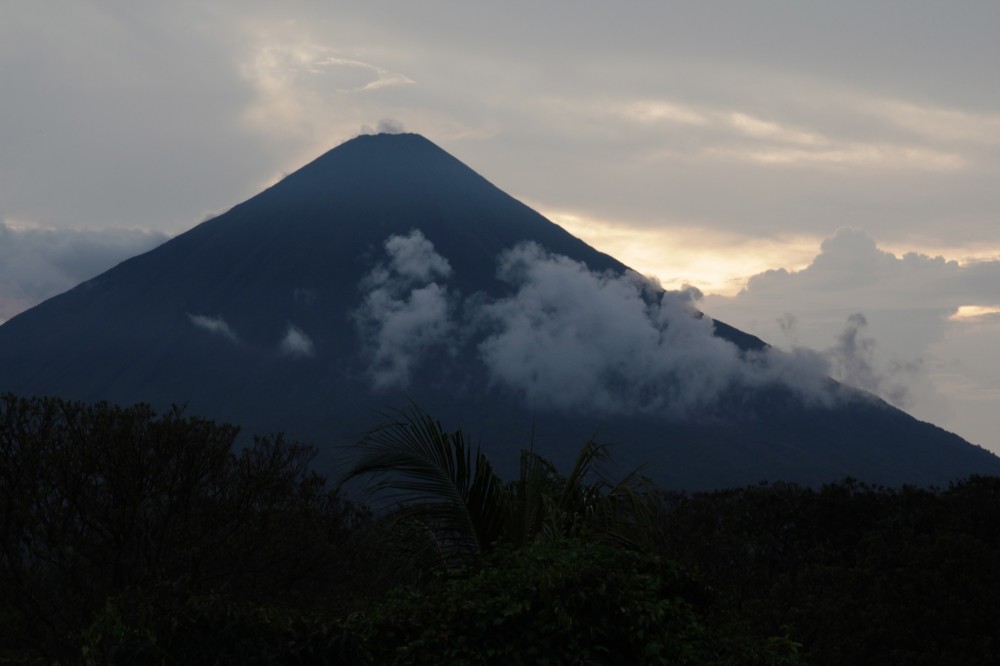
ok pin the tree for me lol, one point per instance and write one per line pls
(448, 507)
(102, 504)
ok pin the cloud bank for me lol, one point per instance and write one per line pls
(38, 263)
(568, 338)
(931, 318)
(907, 299)
(565, 338)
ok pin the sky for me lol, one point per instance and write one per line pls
(824, 173)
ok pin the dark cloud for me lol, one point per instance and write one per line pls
(178, 109)
(120, 115)
(37, 263)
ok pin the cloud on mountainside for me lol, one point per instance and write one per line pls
(852, 361)
(297, 343)
(405, 313)
(214, 325)
(569, 338)
(38, 263)
(566, 338)
(930, 316)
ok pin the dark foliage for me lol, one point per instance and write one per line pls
(452, 507)
(563, 602)
(107, 510)
(558, 576)
(864, 575)
(128, 537)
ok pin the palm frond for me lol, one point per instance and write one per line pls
(527, 498)
(573, 486)
(436, 477)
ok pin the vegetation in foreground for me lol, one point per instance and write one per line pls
(131, 537)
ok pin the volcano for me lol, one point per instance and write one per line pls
(387, 271)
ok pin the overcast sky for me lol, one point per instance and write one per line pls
(799, 162)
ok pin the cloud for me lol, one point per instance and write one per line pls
(661, 111)
(379, 77)
(762, 129)
(385, 126)
(872, 155)
(299, 80)
(852, 360)
(566, 338)
(717, 261)
(404, 313)
(412, 258)
(215, 325)
(571, 339)
(37, 263)
(973, 312)
(851, 272)
(733, 135)
(118, 117)
(938, 124)
(297, 343)
(913, 320)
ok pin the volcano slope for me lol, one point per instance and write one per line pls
(386, 270)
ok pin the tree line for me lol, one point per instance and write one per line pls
(128, 536)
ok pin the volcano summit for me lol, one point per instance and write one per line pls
(387, 269)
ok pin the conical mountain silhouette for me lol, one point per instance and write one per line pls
(272, 316)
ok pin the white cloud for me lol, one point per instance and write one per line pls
(299, 80)
(662, 111)
(214, 325)
(937, 124)
(389, 126)
(763, 129)
(734, 135)
(297, 343)
(571, 339)
(851, 271)
(412, 257)
(871, 155)
(380, 77)
(679, 252)
(970, 312)
(404, 313)
(917, 307)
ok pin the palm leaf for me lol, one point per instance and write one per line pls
(528, 503)
(434, 477)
